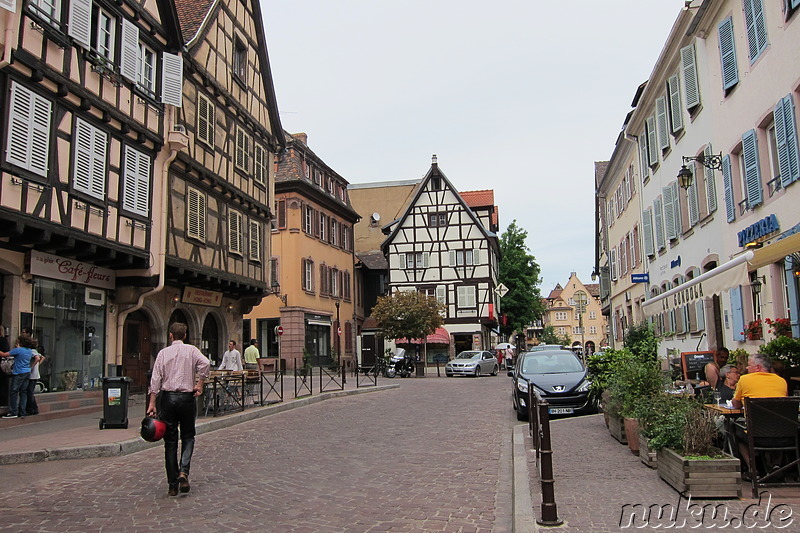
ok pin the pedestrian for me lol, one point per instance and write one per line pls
(231, 359)
(37, 359)
(178, 375)
(20, 374)
(251, 355)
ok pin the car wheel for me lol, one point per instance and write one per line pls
(496, 370)
(477, 371)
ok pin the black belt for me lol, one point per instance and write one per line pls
(176, 392)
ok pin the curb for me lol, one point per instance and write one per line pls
(91, 451)
(524, 521)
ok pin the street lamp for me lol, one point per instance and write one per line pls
(580, 307)
(685, 176)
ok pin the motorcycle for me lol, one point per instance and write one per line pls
(404, 364)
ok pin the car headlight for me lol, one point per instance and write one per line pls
(585, 384)
(522, 385)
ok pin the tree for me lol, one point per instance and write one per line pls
(549, 336)
(519, 272)
(408, 314)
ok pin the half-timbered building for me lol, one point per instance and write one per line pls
(440, 247)
(87, 85)
(220, 187)
(312, 264)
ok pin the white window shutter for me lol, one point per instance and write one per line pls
(28, 130)
(136, 185)
(694, 204)
(196, 215)
(675, 109)
(652, 140)
(661, 119)
(129, 56)
(171, 79)
(669, 213)
(9, 5)
(711, 186)
(234, 232)
(476, 256)
(80, 22)
(643, 155)
(425, 260)
(255, 240)
(452, 258)
(99, 148)
(441, 294)
(90, 156)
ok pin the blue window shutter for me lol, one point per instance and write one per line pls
(737, 312)
(756, 28)
(727, 50)
(690, 83)
(786, 140)
(647, 227)
(752, 174)
(727, 182)
(711, 185)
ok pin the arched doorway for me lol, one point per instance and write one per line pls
(209, 342)
(136, 350)
(590, 348)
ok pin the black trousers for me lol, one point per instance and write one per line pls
(178, 410)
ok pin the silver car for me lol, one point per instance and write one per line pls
(472, 363)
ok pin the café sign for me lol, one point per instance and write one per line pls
(195, 296)
(71, 270)
(760, 229)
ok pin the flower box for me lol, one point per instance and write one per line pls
(701, 478)
(646, 455)
(616, 425)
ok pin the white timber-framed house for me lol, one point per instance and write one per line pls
(439, 246)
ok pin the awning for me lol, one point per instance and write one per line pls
(776, 251)
(730, 274)
(440, 336)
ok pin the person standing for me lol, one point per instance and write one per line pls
(178, 375)
(37, 359)
(20, 374)
(251, 355)
(231, 359)
(711, 370)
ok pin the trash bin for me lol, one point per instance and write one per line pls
(115, 402)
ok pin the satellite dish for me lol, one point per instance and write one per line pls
(376, 217)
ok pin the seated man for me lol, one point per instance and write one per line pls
(759, 382)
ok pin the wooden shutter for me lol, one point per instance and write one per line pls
(652, 141)
(643, 154)
(752, 174)
(260, 164)
(205, 120)
(661, 119)
(234, 231)
(727, 183)
(136, 182)
(670, 224)
(647, 228)
(756, 29)
(711, 185)
(675, 109)
(737, 312)
(690, 82)
(28, 143)
(613, 264)
(693, 203)
(786, 140)
(90, 159)
(129, 55)
(727, 50)
(80, 22)
(171, 79)
(255, 240)
(658, 222)
(196, 215)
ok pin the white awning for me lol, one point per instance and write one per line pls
(772, 253)
(730, 274)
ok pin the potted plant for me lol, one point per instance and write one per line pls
(781, 327)
(683, 433)
(614, 421)
(753, 330)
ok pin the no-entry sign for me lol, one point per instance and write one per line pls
(279, 330)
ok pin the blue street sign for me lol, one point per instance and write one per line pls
(640, 278)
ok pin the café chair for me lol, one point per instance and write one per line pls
(772, 426)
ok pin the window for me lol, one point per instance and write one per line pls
(205, 120)
(463, 257)
(28, 130)
(89, 172)
(234, 232)
(658, 223)
(307, 220)
(50, 10)
(592, 330)
(104, 35)
(416, 260)
(346, 291)
(592, 315)
(561, 315)
(662, 122)
(436, 183)
(196, 215)
(136, 182)
(240, 60)
(242, 150)
(146, 69)
(437, 219)
(323, 226)
(255, 240)
(308, 275)
(345, 237)
(727, 50)
(756, 27)
(466, 296)
(752, 173)
(281, 214)
(260, 164)
(334, 232)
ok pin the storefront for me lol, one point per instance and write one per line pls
(69, 320)
(318, 340)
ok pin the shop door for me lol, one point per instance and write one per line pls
(137, 351)
(368, 350)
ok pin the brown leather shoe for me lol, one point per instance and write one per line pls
(183, 482)
(173, 491)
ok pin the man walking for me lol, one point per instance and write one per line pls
(178, 374)
(231, 359)
(251, 355)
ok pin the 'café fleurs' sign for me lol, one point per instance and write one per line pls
(71, 270)
(195, 296)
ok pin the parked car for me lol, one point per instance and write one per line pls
(541, 347)
(560, 378)
(472, 363)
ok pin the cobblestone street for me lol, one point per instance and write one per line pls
(433, 455)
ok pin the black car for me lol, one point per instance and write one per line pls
(560, 378)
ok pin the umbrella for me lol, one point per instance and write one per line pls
(504, 346)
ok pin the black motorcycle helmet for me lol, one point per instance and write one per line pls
(152, 429)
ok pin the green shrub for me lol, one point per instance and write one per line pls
(782, 349)
(634, 379)
(600, 368)
(642, 341)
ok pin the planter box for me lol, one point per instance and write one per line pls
(616, 425)
(712, 478)
(632, 432)
(646, 455)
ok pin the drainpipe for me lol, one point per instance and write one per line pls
(176, 141)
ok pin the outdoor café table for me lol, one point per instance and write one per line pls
(226, 391)
(730, 417)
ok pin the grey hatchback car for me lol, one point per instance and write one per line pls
(472, 363)
(560, 378)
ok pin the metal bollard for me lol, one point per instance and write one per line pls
(539, 415)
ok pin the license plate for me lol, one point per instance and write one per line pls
(560, 410)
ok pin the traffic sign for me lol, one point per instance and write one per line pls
(501, 290)
(339, 331)
(279, 330)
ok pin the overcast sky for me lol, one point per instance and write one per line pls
(517, 96)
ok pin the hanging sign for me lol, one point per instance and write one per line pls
(72, 270)
(195, 296)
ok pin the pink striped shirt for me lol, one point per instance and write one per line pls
(176, 368)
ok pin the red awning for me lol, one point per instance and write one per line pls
(440, 336)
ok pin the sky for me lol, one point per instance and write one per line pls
(521, 97)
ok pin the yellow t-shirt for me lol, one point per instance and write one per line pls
(760, 385)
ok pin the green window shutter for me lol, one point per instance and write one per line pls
(647, 228)
(727, 50)
(661, 119)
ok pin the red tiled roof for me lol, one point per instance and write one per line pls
(191, 14)
(478, 198)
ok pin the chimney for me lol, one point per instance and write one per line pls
(302, 137)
